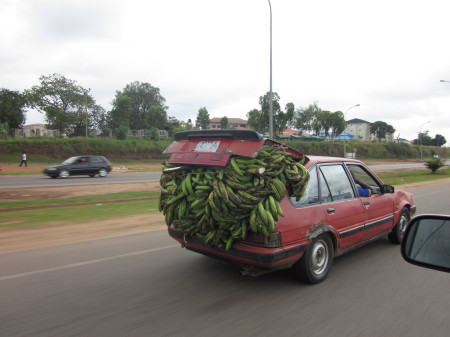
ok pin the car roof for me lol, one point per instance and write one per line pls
(325, 159)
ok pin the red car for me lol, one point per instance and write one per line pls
(344, 205)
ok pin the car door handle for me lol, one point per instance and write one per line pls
(366, 203)
(330, 210)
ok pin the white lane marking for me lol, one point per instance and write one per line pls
(84, 263)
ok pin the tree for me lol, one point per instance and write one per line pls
(381, 129)
(438, 140)
(157, 117)
(202, 121)
(4, 129)
(305, 117)
(337, 123)
(143, 96)
(423, 139)
(101, 120)
(224, 123)
(259, 119)
(121, 110)
(62, 100)
(12, 108)
(172, 125)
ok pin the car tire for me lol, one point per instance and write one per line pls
(92, 175)
(102, 173)
(316, 263)
(396, 235)
(64, 174)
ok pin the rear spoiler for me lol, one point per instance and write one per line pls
(215, 147)
(250, 135)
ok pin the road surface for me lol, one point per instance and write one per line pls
(40, 181)
(146, 285)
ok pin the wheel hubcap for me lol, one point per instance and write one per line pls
(402, 225)
(319, 257)
(102, 173)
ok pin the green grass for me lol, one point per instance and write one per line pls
(71, 200)
(400, 178)
(49, 216)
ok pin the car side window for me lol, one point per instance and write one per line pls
(363, 179)
(338, 182)
(311, 194)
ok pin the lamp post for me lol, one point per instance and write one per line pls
(420, 137)
(85, 109)
(345, 113)
(270, 92)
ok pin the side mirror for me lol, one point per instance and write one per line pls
(427, 242)
(388, 189)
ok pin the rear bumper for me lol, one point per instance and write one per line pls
(245, 255)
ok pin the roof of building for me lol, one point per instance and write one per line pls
(230, 120)
(357, 121)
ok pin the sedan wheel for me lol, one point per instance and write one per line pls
(102, 173)
(315, 264)
(64, 174)
(396, 235)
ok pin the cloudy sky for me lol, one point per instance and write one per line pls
(387, 56)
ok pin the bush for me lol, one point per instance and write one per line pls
(434, 164)
(121, 132)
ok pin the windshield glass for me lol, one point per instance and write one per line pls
(71, 160)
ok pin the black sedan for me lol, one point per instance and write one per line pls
(80, 165)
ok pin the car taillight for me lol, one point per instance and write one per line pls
(273, 240)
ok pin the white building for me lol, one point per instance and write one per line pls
(360, 129)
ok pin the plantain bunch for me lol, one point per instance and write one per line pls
(221, 204)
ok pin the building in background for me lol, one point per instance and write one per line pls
(35, 130)
(360, 129)
(233, 123)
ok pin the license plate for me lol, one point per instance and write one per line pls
(207, 146)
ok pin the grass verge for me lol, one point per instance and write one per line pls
(53, 216)
(400, 178)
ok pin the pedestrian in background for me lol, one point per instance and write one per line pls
(24, 159)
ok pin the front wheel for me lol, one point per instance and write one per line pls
(396, 235)
(315, 264)
(64, 174)
(102, 173)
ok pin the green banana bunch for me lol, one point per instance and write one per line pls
(223, 204)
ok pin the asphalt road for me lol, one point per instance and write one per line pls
(40, 181)
(146, 285)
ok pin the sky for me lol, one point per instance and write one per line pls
(387, 55)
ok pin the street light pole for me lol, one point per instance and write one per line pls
(420, 137)
(85, 109)
(270, 92)
(345, 113)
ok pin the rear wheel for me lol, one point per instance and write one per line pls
(315, 264)
(102, 172)
(396, 235)
(64, 174)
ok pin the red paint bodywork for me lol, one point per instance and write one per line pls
(343, 220)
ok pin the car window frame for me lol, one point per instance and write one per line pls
(370, 174)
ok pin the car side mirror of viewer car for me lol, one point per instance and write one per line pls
(427, 242)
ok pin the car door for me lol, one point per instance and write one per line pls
(378, 207)
(81, 166)
(344, 211)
